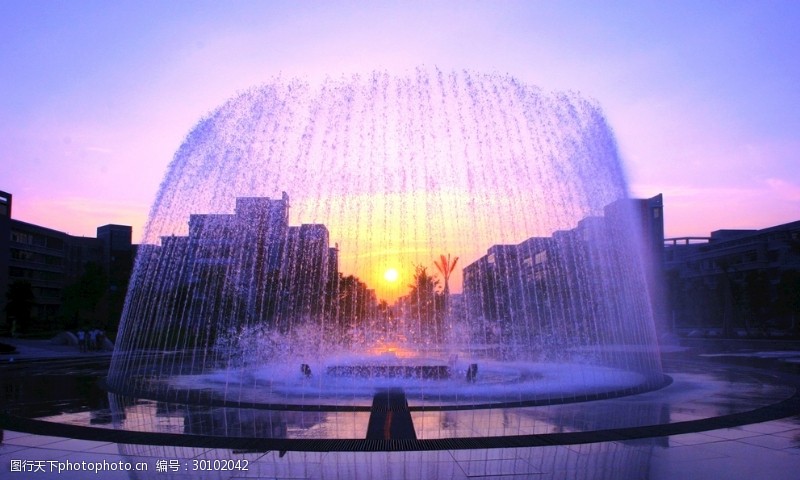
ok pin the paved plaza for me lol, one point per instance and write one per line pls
(768, 450)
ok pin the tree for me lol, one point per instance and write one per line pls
(80, 299)
(19, 306)
(425, 304)
(353, 301)
(384, 318)
(446, 267)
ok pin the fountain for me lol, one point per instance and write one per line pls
(307, 334)
(237, 300)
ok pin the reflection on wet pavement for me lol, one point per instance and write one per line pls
(68, 393)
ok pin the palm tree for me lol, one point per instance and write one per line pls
(423, 301)
(446, 267)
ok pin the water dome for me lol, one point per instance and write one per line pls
(290, 257)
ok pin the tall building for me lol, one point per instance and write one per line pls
(5, 252)
(648, 217)
(249, 267)
(231, 262)
(545, 284)
(117, 246)
(305, 272)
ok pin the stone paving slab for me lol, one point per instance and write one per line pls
(750, 457)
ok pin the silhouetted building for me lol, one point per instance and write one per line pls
(251, 265)
(117, 246)
(736, 282)
(551, 284)
(493, 285)
(230, 264)
(305, 271)
(5, 252)
(648, 217)
(51, 265)
(38, 258)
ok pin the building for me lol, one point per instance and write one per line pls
(248, 267)
(493, 284)
(735, 282)
(554, 285)
(306, 270)
(5, 249)
(50, 265)
(117, 247)
(648, 218)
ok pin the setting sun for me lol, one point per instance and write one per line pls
(391, 275)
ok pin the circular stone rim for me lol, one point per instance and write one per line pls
(785, 408)
(199, 397)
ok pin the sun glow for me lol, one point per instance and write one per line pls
(391, 275)
(392, 350)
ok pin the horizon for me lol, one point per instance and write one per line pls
(392, 279)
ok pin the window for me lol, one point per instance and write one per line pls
(528, 262)
(21, 237)
(5, 202)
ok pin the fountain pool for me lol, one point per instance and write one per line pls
(386, 172)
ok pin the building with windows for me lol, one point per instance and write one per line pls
(735, 282)
(544, 284)
(249, 264)
(248, 267)
(48, 266)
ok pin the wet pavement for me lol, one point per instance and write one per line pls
(702, 388)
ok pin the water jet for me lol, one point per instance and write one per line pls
(376, 173)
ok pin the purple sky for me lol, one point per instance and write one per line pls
(704, 97)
